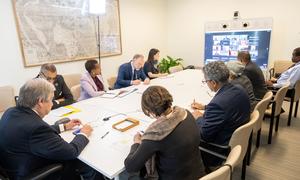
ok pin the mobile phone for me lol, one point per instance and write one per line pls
(77, 131)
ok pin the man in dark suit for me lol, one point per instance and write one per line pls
(28, 143)
(228, 110)
(132, 73)
(62, 93)
(254, 73)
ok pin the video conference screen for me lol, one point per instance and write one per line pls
(225, 46)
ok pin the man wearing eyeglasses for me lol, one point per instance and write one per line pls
(62, 94)
(228, 110)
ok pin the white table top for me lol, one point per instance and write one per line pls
(107, 155)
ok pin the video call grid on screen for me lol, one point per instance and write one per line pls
(225, 45)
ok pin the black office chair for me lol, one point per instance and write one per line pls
(38, 174)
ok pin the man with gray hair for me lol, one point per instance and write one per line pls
(132, 73)
(28, 143)
(62, 93)
(237, 77)
(228, 110)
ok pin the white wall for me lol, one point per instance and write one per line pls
(176, 27)
(142, 26)
(186, 19)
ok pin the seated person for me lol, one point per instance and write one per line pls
(291, 76)
(91, 82)
(236, 76)
(132, 73)
(150, 66)
(169, 146)
(254, 73)
(28, 143)
(62, 94)
(228, 110)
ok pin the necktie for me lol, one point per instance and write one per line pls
(134, 75)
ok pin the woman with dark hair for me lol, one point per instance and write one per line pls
(150, 66)
(169, 147)
(91, 82)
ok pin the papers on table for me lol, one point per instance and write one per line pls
(61, 111)
(64, 111)
(115, 93)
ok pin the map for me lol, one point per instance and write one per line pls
(53, 31)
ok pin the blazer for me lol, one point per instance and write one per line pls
(177, 155)
(89, 88)
(61, 91)
(125, 75)
(228, 110)
(28, 143)
(254, 73)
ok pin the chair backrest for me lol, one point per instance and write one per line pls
(111, 82)
(261, 107)
(297, 91)
(224, 172)
(72, 79)
(175, 69)
(279, 97)
(281, 65)
(75, 90)
(7, 97)
(241, 135)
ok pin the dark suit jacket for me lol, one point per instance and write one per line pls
(61, 91)
(254, 73)
(228, 110)
(28, 143)
(125, 75)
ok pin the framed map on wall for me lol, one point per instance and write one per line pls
(54, 31)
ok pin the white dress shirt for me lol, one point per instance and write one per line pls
(291, 76)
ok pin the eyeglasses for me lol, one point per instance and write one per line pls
(205, 81)
(48, 78)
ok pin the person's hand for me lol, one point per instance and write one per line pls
(147, 81)
(137, 138)
(72, 123)
(197, 106)
(87, 130)
(273, 80)
(269, 83)
(197, 114)
(136, 82)
(60, 100)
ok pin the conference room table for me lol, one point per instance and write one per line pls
(109, 147)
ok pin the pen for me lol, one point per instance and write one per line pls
(104, 135)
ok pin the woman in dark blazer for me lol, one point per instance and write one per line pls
(150, 68)
(169, 147)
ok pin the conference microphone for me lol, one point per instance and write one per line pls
(125, 114)
(108, 117)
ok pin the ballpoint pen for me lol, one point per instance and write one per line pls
(104, 135)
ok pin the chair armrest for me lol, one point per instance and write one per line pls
(221, 156)
(217, 150)
(44, 172)
(271, 72)
(213, 145)
(258, 99)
